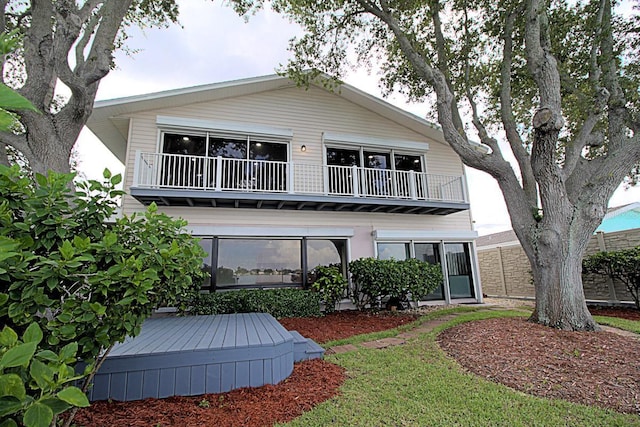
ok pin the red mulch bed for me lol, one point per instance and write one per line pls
(589, 368)
(622, 312)
(346, 324)
(598, 369)
(311, 383)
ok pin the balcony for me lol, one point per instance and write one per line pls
(183, 180)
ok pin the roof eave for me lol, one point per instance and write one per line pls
(105, 112)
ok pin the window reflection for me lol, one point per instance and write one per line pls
(399, 251)
(228, 148)
(326, 253)
(430, 252)
(248, 262)
(207, 245)
(459, 270)
(406, 162)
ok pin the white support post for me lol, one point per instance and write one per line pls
(355, 175)
(475, 267)
(325, 179)
(290, 178)
(218, 166)
(412, 185)
(136, 168)
(445, 272)
(465, 190)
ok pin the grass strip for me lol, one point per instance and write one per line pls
(417, 384)
(616, 322)
(357, 339)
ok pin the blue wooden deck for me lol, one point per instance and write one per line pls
(185, 356)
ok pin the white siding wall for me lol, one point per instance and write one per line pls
(309, 113)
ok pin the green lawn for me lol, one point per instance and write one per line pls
(627, 325)
(416, 384)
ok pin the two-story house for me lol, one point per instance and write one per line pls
(278, 179)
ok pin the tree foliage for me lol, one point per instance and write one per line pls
(623, 265)
(64, 45)
(87, 282)
(550, 86)
(36, 385)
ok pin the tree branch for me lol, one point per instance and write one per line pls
(67, 31)
(573, 149)
(39, 56)
(102, 47)
(443, 61)
(19, 142)
(506, 112)
(618, 115)
(92, 20)
(3, 59)
(517, 203)
(548, 120)
(598, 178)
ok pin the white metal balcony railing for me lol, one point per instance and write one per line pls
(176, 171)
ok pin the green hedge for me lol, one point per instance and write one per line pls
(409, 279)
(277, 302)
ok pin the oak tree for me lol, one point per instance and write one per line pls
(552, 84)
(64, 44)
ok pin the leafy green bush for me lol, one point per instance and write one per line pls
(410, 279)
(623, 265)
(368, 276)
(277, 302)
(35, 384)
(330, 284)
(81, 279)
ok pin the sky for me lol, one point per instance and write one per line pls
(213, 44)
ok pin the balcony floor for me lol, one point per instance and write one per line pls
(286, 201)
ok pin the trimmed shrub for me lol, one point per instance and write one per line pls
(277, 302)
(406, 280)
(623, 265)
(330, 284)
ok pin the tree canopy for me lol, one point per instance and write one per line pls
(65, 45)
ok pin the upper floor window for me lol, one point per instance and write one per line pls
(192, 145)
(374, 159)
(210, 145)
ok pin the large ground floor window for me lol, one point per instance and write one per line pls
(455, 259)
(236, 263)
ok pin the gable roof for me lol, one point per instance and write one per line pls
(110, 118)
(500, 238)
(506, 238)
(625, 217)
(618, 210)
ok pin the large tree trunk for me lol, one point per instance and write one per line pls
(50, 142)
(4, 159)
(556, 267)
(555, 247)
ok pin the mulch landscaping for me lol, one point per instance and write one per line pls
(595, 369)
(621, 312)
(345, 324)
(599, 369)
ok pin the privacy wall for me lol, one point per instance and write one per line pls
(505, 270)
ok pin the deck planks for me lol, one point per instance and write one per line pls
(194, 355)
